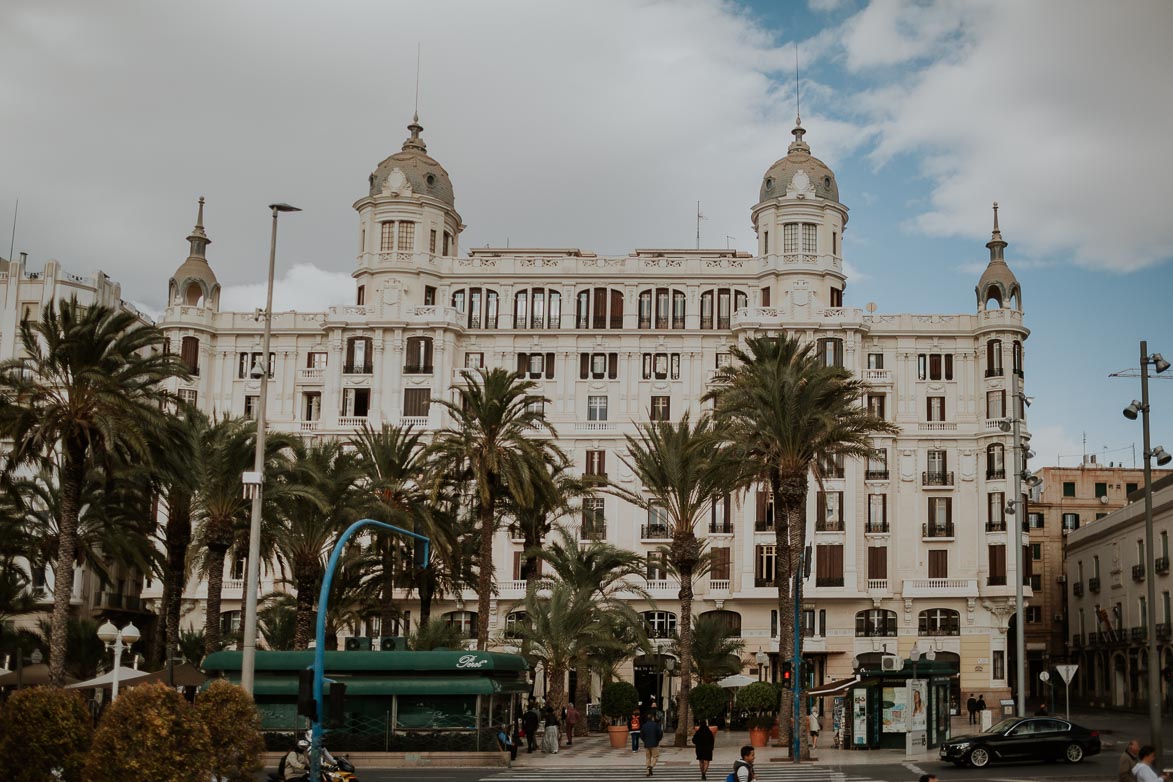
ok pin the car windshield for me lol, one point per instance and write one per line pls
(1002, 726)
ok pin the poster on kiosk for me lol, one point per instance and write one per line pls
(916, 741)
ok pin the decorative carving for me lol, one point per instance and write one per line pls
(488, 263)
(396, 184)
(800, 186)
(724, 263)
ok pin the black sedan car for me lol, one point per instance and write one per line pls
(1018, 739)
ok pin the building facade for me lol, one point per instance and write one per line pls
(1107, 570)
(911, 546)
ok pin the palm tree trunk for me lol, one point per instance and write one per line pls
(216, 557)
(783, 581)
(72, 475)
(426, 594)
(485, 576)
(178, 541)
(791, 491)
(685, 630)
(304, 622)
(556, 686)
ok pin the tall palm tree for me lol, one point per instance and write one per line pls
(535, 518)
(88, 390)
(683, 469)
(715, 653)
(311, 521)
(493, 445)
(787, 411)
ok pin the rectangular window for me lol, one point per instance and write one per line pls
(447, 243)
(598, 366)
(661, 409)
(877, 513)
(790, 238)
(661, 366)
(250, 406)
(1036, 583)
(999, 664)
(1129, 488)
(1034, 614)
(316, 360)
(830, 352)
(829, 565)
(357, 401)
(938, 563)
(432, 242)
(596, 408)
(875, 360)
(995, 511)
(1068, 488)
(1036, 551)
(1101, 490)
(876, 405)
(877, 465)
(416, 402)
(878, 562)
(936, 408)
(474, 360)
(836, 297)
(940, 522)
(593, 512)
(997, 565)
(830, 511)
(719, 564)
(765, 565)
(810, 241)
(765, 297)
(360, 296)
(596, 463)
(934, 366)
(311, 406)
(657, 566)
(387, 237)
(1070, 521)
(188, 396)
(995, 404)
(406, 237)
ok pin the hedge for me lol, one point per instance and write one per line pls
(234, 726)
(42, 729)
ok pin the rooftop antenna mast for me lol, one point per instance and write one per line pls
(699, 217)
(797, 91)
(12, 241)
(417, 81)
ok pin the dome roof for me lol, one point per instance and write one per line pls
(799, 158)
(195, 269)
(422, 173)
(998, 281)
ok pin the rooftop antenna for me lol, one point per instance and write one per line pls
(12, 241)
(417, 81)
(728, 238)
(699, 217)
(797, 91)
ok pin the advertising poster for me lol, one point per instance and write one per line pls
(838, 719)
(918, 704)
(895, 709)
(859, 713)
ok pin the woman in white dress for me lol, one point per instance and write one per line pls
(550, 738)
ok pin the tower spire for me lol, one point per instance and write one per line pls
(996, 244)
(198, 239)
(414, 141)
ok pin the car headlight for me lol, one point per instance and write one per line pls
(963, 745)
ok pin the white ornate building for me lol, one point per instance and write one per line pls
(911, 547)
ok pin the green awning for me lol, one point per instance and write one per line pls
(460, 662)
(400, 686)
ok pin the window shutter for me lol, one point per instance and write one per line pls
(549, 366)
(948, 511)
(938, 563)
(948, 366)
(584, 365)
(599, 316)
(522, 363)
(516, 565)
(998, 561)
(616, 309)
(350, 352)
(837, 562)
(428, 352)
(612, 365)
(928, 408)
(878, 562)
(763, 498)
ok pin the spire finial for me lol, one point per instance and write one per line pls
(200, 214)
(996, 245)
(996, 218)
(414, 141)
(198, 239)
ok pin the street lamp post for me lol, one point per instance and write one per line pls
(253, 482)
(119, 640)
(1154, 666)
(670, 667)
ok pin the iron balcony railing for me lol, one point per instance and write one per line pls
(1077, 588)
(936, 478)
(1093, 584)
(1138, 572)
(937, 529)
(877, 527)
(876, 475)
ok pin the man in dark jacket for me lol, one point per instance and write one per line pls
(529, 723)
(651, 733)
(971, 707)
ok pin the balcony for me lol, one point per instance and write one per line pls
(763, 581)
(1077, 641)
(877, 528)
(875, 475)
(1138, 634)
(938, 529)
(594, 426)
(939, 587)
(365, 368)
(762, 525)
(994, 372)
(936, 426)
(942, 480)
(311, 375)
(1138, 572)
(351, 422)
(882, 376)
(996, 581)
(1161, 565)
(664, 587)
(592, 532)
(995, 475)
(721, 528)
(996, 526)
(1093, 584)
(1077, 589)
(719, 585)
(829, 525)
(414, 421)
(307, 427)
(418, 369)
(654, 532)
(1163, 631)
(877, 585)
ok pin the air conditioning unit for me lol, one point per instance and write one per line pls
(357, 643)
(891, 662)
(1062, 579)
(1058, 617)
(393, 643)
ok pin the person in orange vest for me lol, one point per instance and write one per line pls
(633, 728)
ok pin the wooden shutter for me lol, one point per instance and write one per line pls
(549, 366)
(523, 363)
(948, 366)
(720, 564)
(612, 365)
(878, 562)
(763, 500)
(998, 562)
(584, 365)
(428, 352)
(836, 555)
(350, 352)
(517, 562)
(599, 316)
(1027, 563)
(938, 563)
(190, 353)
(765, 297)
(616, 309)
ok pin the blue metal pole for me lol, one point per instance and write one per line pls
(320, 631)
(796, 725)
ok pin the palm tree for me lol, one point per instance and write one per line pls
(311, 521)
(493, 445)
(683, 469)
(715, 653)
(89, 390)
(535, 518)
(277, 621)
(436, 634)
(785, 410)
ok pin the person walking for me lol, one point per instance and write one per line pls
(571, 721)
(704, 740)
(981, 703)
(529, 723)
(1144, 771)
(815, 726)
(651, 732)
(743, 768)
(550, 737)
(971, 707)
(633, 728)
(1128, 759)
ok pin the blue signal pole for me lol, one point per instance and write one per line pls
(796, 726)
(320, 634)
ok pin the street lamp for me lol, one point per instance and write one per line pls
(1131, 412)
(119, 640)
(253, 481)
(761, 659)
(670, 666)
(1021, 475)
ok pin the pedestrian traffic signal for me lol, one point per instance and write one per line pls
(336, 704)
(306, 706)
(788, 674)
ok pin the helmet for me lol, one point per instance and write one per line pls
(303, 745)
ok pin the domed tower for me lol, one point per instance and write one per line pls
(194, 283)
(407, 219)
(799, 222)
(998, 284)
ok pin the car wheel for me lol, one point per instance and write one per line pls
(979, 757)
(1073, 753)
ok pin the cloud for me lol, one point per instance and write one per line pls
(1054, 446)
(1044, 107)
(825, 6)
(305, 288)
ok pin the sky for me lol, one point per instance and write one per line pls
(600, 125)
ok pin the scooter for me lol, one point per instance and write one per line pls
(342, 770)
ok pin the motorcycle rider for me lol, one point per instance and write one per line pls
(295, 766)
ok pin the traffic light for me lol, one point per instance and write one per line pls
(336, 703)
(306, 706)
(788, 674)
(419, 557)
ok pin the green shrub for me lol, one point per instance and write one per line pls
(42, 729)
(234, 725)
(761, 700)
(707, 701)
(619, 700)
(150, 733)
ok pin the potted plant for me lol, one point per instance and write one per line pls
(619, 700)
(707, 702)
(760, 699)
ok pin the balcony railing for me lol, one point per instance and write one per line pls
(1138, 572)
(763, 581)
(654, 532)
(877, 584)
(1077, 589)
(937, 529)
(998, 525)
(763, 526)
(311, 375)
(721, 528)
(352, 421)
(718, 585)
(829, 525)
(1161, 565)
(1138, 633)
(1093, 584)
(993, 475)
(1077, 641)
(996, 581)
(358, 369)
(936, 478)
(877, 528)
(418, 369)
(1163, 631)
(994, 372)
(592, 532)
(875, 475)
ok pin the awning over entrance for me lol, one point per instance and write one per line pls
(407, 686)
(832, 688)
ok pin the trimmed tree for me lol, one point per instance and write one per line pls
(152, 733)
(42, 729)
(619, 700)
(760, 699)
(234, 726)
(707, 701)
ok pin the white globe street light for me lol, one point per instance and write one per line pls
(119, 640)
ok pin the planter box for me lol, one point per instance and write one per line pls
(618, 735)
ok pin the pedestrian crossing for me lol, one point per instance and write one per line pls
(766, 772)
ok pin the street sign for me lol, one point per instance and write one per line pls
(1067, 672)
(1045, 676)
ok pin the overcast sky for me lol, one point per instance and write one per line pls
(600, 124)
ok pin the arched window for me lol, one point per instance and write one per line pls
(514, 620)
(229, 622)
(599, 308)
(875, 623)
(479, 306)
(718, 306)
(418, 359)
(195, 294)
(730, 620)
(660, 624)
(189, 353)
(994, 358)
(661, 308)
(465, 621)
(939, 621)
(537, 308)
(995, 461)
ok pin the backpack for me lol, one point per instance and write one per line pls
(737, 765)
